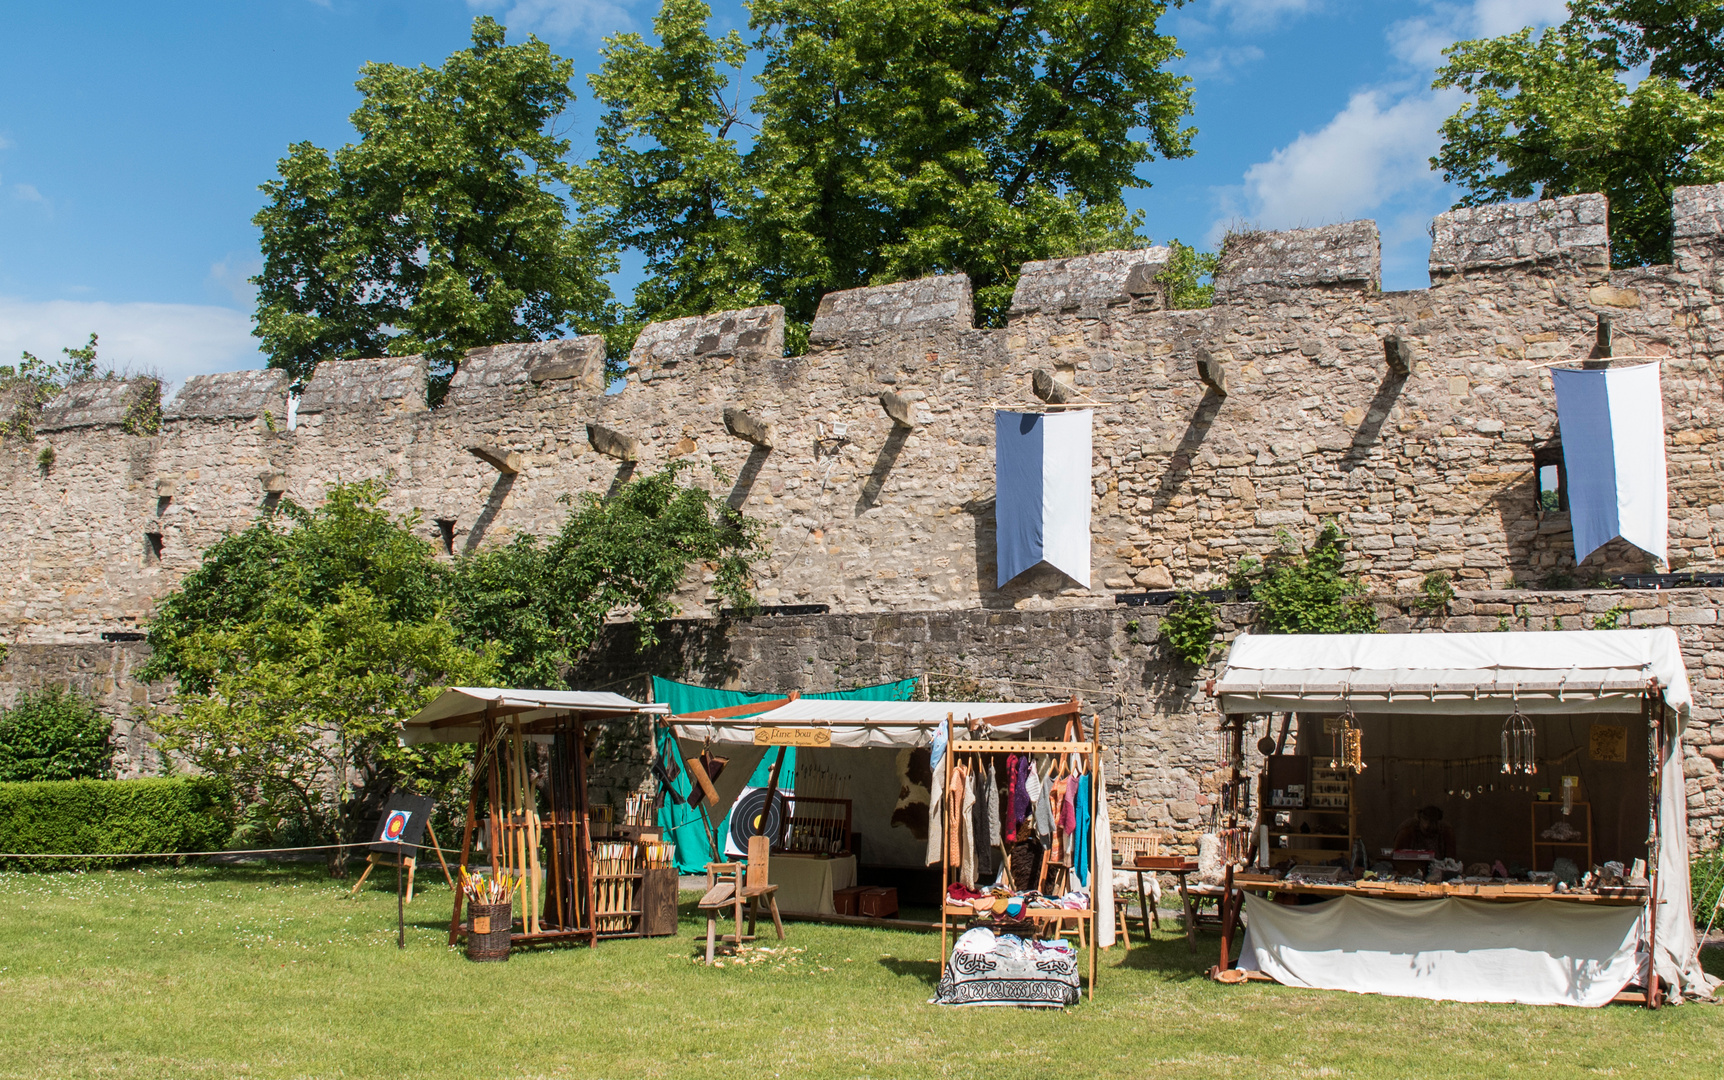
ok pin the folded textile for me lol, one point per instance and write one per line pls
(1005, 969)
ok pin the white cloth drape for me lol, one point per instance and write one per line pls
(1102, 882)
(1042, 492)
(1612, 424)
(1540, 952)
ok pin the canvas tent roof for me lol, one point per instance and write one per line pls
(456, 715)
(1558, 671)
(877, 724)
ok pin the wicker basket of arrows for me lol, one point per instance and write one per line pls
(488, 927)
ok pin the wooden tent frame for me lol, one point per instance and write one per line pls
(558, 896)
(1652, 710)
(1090, 750)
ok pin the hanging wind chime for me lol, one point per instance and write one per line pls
(1519, 745)
(1348, 749)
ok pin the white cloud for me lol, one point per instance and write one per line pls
(28, 193)
(560, 18)
(1255, 14)
(173, 340)
(1374, 150)
(232, 276)
(1372, 157)
(1218, 65)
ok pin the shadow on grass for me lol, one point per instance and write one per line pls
(927, 971)
(1172, 959)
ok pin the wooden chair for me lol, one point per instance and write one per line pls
(1129, 846)
(729, 885)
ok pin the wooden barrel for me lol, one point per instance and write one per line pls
(488, 927)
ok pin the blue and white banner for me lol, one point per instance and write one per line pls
(1612, 424)
(1042, 492)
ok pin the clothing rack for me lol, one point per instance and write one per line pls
(1089, 751)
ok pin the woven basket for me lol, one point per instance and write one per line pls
(488, 927)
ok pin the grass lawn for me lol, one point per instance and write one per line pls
(276, 973)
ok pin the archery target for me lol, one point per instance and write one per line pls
(745, 818)
(395, 825)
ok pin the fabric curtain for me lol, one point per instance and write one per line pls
(1541, 952)
(684, 824)
(1042, 492)
(1612, 424)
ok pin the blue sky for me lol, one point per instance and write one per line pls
(133, 138)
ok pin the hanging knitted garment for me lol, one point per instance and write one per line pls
(968, 815)
(1021, 773)
(1081, 833)
(1009, 799)
(1044, 812)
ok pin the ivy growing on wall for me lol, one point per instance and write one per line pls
(1189, 628)
(1307, 591)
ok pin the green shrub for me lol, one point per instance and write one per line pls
(91, 817)
(55, 734)
(1307, 592)
(1189, 628)
(1706, 878)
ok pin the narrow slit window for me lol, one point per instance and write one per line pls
(446, 532)
(152, 548)
(1552, 479)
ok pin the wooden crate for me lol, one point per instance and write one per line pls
(658, 901)
(844, 901)
(877, 903)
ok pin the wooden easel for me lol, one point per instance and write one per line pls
(375, 859)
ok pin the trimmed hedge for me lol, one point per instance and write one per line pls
(90, 817)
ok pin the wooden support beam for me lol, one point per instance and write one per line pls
(507, 462)
(613, 443)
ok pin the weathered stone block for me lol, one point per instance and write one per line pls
(232, 395)
(395, 383)
(749, 334)
(1571, 231)
(939, 303)
(612, 443)
(1087, 284)
(1348, 255)
(745, 425)
(100, 403)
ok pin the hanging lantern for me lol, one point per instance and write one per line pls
(1347, 749)
(1519, 741)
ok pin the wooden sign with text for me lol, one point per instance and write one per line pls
(792, 736)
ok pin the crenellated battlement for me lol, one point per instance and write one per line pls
(1414, 419)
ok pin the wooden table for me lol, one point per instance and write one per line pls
(1179, 868)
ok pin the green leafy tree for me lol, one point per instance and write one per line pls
(545, 602)
(668, 179)
(299, 646)
(1189, 277)
(893, 139)
(29, 384)
(55, 734)
(1554, 113)
(442, 229)
(1308, 591)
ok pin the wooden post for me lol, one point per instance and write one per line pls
(772, 792)
(1232, 726)
(585, 884)
(400, 909)
(1094, 878)
(945, 840)
(467, 831)
(1655, 762)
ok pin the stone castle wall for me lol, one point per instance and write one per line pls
(1304, 393)
(1412, 418)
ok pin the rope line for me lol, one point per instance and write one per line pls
(195, 854)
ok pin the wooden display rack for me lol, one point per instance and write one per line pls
(1082, 920)
(1328, 799)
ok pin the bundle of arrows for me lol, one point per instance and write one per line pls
(488, 890)
(615, 882)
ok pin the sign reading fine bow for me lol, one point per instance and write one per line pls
(1042, 492)
(1612, 424)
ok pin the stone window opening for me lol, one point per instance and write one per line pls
(1552, 477)
(152, 549)
(446, 532)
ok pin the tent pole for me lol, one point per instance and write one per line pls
(945, 840)
(1231, 725)
(1655, 762)
(467, 837)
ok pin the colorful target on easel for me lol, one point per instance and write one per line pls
(395, 826)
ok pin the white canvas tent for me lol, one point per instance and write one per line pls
(907, 725)
(1446, 676)
(458, 713)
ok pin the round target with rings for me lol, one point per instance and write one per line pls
(745, 817)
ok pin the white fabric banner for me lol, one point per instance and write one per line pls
(1612, 424)
(1540, 952)
(1042, 492)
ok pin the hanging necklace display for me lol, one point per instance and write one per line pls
(1519, 743)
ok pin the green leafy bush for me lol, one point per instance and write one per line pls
(1435, 592)
(1189, 627)
(1307, 592)
(91, 817)
(55, 734)
(1706, 878)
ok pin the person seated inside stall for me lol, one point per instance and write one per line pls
(1425, 831)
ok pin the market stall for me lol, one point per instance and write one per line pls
(529, 812)
(853, 753)
(1472, 817)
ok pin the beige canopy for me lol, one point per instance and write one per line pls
(456, 715)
